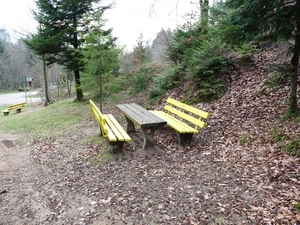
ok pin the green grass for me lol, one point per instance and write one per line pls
(296, 207)
(293, 147)
(61, 119)
(8, 92)
(47, 122)
(277, 134)
(245, 139)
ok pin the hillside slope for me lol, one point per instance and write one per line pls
(241, 133)
(243, 136)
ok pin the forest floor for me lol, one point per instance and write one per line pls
(234, 172)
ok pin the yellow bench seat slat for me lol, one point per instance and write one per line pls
(118, 130)
(175, 123)
(109, 133)
(114, 130)
(110, 128)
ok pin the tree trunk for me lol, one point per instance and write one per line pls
(47, 98)
(79, 94)
(204, 11)
(294, 71)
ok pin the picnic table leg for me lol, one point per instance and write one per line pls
(185, 139)
(130, 125)
(116, 146)
(148, 137)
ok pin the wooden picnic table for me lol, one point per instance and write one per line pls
(147, 121)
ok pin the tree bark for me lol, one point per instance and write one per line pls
(294, 70)
(79, 94)
(47, 98)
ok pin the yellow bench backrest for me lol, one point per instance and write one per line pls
(198, 112)
(100, 118)
(16, 106)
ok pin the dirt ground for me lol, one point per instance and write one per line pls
(50, 183)
(56, 182)
(233, 172)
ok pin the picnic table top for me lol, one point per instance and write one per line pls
(141, 116)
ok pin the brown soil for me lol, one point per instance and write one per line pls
(216, 180)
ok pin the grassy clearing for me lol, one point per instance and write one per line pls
(48, 122)
(8, 92)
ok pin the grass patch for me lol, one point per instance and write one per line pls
(60, 119)
(102, 158)
(277, 134)
(296, 207)
(8, 92)
(293, 147)
(245, 139)
(49, 122)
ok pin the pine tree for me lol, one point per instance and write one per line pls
(100, 55)
(268, 20)
(60, 23)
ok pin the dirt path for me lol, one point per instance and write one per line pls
(34, 193)
(20, 201)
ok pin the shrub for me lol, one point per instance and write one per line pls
(166, 81)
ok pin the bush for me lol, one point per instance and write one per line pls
(117, 84)
(142, 76)
(164, 82)
(212, 78)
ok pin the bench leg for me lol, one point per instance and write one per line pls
(185, 139)
(148, 137)
(114, 147)
(5, 113)
(130, 126)
(18, 110)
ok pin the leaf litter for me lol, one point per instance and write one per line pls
(232, 173)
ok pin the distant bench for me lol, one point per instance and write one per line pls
(110, 129)
(185, 112)
(17, 107)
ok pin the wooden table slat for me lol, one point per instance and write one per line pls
(141, 116)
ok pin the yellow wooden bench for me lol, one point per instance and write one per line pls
(110, 129)
(17, 107)
(183, 112)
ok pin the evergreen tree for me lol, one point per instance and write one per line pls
(266, 20)
(100, 55)
(60, 23)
